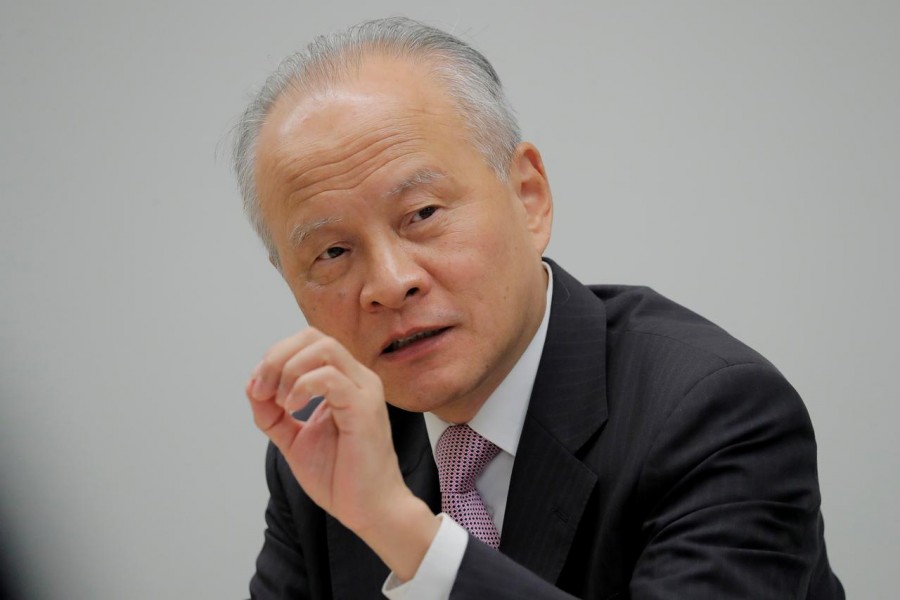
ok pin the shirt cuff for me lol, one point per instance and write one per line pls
(436, 574)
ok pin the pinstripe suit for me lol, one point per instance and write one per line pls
(660, 458)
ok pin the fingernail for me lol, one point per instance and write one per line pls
(257, 388)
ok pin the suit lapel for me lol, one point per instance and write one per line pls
(550, 486)
(356, 571)
(415, 456)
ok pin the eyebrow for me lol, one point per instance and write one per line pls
(420, 178)
(304, 230)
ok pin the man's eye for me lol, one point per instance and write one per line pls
(424, 213)
(332, 253)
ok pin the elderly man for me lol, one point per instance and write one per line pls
(464, 419)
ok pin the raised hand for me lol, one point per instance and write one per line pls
(343, 455)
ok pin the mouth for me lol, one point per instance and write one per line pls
(400, 343)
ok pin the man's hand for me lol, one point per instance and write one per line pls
(343, 455)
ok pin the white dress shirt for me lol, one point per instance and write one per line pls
(499, 420)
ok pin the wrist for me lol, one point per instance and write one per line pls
(401, 534)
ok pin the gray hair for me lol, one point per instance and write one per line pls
(469, 78)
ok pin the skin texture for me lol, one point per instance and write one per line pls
(387, 223)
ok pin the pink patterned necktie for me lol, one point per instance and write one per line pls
(462, 455)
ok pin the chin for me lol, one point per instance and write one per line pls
(421, 400)
(412, 404)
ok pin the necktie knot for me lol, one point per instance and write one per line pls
(462, 454)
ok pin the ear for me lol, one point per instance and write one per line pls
(273, 260)
(529, 181)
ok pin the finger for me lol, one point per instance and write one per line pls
(314, 356)
(321, 414)
(273, 421)
(324, 352)
(268, 372)
(353, 409)
(313, 449)
(325, 381)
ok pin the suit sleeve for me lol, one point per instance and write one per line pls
(729, 499)
(280, 568)
(734, 480)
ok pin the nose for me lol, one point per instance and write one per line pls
(393, 277)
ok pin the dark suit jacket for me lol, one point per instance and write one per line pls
(660, 458)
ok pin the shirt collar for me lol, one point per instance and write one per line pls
(502, 416)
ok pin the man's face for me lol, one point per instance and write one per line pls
(397, 239)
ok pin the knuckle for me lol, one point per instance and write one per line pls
(325, 383)
(308, 385)
(262, 423)
(325, 351)
(284, 386)
(372, 380)
(269, 364)
(308, 335)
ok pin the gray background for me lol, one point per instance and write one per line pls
(741, 158)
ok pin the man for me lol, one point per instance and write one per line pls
(596, 442)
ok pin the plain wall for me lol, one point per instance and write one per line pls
(740, 157)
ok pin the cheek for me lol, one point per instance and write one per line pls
(477, 239)
(324, 309)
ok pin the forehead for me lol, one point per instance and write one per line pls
(340, 138)
(389, 110)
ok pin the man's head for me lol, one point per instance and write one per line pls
(466, 75)
(393, 193)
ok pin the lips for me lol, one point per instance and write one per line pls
(403, 342)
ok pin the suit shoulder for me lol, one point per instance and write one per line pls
(638, 315)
